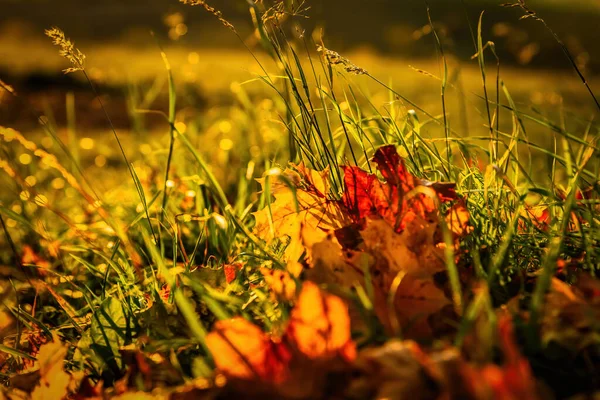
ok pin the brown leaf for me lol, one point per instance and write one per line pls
(393, 371)
(571, 313)
(416, 300)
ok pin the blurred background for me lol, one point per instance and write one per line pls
(217, 81)
(235, 120)
(386, 37)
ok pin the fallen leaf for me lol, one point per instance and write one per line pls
(401, 199)
(416, 300)
(230, 271)
(54, 381)
(319, 326)
(394, 370)
(314, 211)
(280, 282)
(539, 216)
(30, 257)
(513, 380)
(571, 314)
(242, 350)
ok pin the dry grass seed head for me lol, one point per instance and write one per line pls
(67, 50)
(211, 10)
(334, 58)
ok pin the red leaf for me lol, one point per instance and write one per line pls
(230, 271)
(393, 169)
(394, 200)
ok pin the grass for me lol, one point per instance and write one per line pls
(100, 267)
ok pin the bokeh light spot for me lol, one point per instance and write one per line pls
(25, 159)
(31, 180)
(58, 183)
(193, 58)
(86, 143)
(100, 161)
(226, 144)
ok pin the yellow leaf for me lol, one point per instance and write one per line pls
(54, 381)
(314, 212)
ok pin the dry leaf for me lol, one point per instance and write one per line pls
(54, 381)
(538, 215)
(571, 313)
(416, 299)
(230, 271)
(280, 282)
(320, 326)
(400, 200)
(31, 257)
(513, 380)
(315, 211)
(394, 370)
(242, 350)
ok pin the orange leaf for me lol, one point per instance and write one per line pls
(458, 220)
(320, 325)
(242, 350)
(31, 257)
(280, 282)
(538, 215)
(512, 381)
(230, 271)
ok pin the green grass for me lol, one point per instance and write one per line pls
(186, 209)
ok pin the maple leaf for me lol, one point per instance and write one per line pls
(242, 350)
(304, 206)
(320, 326)
(401, 200)
(416, 300)
(404, 275)
(399, 264)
